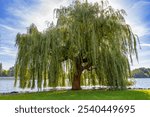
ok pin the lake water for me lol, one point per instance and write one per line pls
(7, 85)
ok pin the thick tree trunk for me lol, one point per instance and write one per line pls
(76, 78)
(76, 81)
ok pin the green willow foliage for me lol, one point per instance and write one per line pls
(89, 41)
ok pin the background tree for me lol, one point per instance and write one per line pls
(4, 73)
(89, 45)
(141, 73)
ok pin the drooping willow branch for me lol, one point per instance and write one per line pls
(89, 41)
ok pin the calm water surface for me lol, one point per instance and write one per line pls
(7, 85)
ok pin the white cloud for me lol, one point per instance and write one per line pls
(8, 27)
(37, 14)
(140, 4)
(145, 45)
(143, 58)
(144, 54)
(144, 63)
(5, 51)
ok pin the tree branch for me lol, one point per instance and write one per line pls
(86, 66)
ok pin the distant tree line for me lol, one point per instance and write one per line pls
(6, 73)
(141, 73)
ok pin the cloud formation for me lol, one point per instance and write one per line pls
(145, 45)
(6, 51)
(7, 27)
(40, 12)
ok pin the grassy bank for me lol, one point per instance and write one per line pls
(81, 95)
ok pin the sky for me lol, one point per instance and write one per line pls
(17, 15)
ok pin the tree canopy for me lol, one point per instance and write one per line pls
(89, 45)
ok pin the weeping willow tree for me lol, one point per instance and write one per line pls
(91, 44)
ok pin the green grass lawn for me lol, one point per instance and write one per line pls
(81, 95)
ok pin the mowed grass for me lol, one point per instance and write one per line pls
(81, 95)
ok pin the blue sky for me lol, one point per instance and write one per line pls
(17, 15)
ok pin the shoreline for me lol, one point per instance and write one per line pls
(55, 89)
